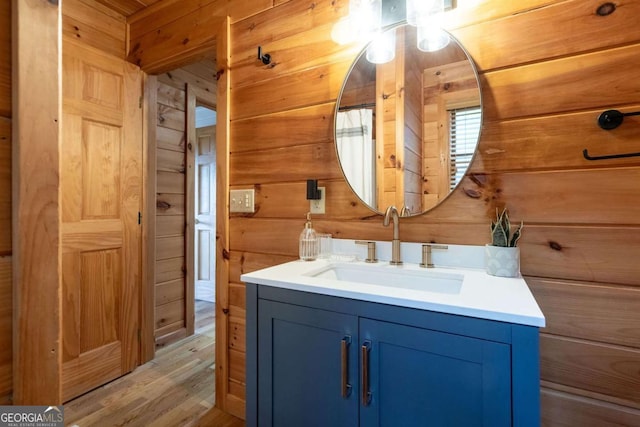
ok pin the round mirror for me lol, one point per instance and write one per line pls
(406, 130)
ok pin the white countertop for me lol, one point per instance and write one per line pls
(479, 294)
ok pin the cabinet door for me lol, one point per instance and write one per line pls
(420, 377)
(301, 367)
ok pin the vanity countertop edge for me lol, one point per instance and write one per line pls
(481, 295)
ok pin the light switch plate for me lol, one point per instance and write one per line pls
(242, 200)
(317, 206)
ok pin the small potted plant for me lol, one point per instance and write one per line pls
(502, 256)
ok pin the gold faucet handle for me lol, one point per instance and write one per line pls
(371, 250)
(426, 254)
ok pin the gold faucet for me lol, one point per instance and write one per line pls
(392, 213)
(426, 254)
(371, 250)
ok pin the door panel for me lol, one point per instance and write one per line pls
(299, 367)
(101, 184)
(420, 374)
(205, 208)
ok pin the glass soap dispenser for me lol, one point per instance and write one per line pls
(308, 241)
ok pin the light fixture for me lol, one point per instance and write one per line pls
(382, 48)
(365, 16)
(426, 15)
(419, 11)
(431, 37)
(342, 33)
(363, 21)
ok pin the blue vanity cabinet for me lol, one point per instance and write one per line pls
(318, 360)
(423, 377)
(307, 366)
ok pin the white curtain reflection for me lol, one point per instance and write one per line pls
(356, 150)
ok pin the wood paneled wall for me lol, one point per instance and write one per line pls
(170, 214)
(6, 294)
(95, 25)
(462, 91)
(172, 193)
(5, 64)
(547, 69)
(182, 29)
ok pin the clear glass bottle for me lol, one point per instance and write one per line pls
(308, 241)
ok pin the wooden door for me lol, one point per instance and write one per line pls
(101, 182)
(205, 210)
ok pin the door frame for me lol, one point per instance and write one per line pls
(36, 254)
(222, 42)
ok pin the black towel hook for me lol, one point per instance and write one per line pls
(265, 58)
(586, 155)
(611, 119)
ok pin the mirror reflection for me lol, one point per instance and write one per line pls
(406, 130)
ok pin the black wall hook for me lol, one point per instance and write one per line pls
(265, 58)
(611, 119)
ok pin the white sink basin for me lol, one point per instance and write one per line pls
(392, 277)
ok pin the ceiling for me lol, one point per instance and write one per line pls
(127, 7)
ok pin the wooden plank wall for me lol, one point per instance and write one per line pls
(547, 68)
(170, 284)
(181, 29)
(95, 25)
(413, 147)
(170, 214)
(6, 293)
(463, 93)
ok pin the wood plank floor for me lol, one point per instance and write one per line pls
(174, 389)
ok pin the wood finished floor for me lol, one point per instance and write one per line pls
(176, 389)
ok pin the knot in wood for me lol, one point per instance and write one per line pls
(606, 9)
(478, 179)
(555, 245)
(474, 194)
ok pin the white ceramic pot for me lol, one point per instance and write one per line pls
(501, 261)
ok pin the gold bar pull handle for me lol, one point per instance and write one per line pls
(344, 371)
(364, 362)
